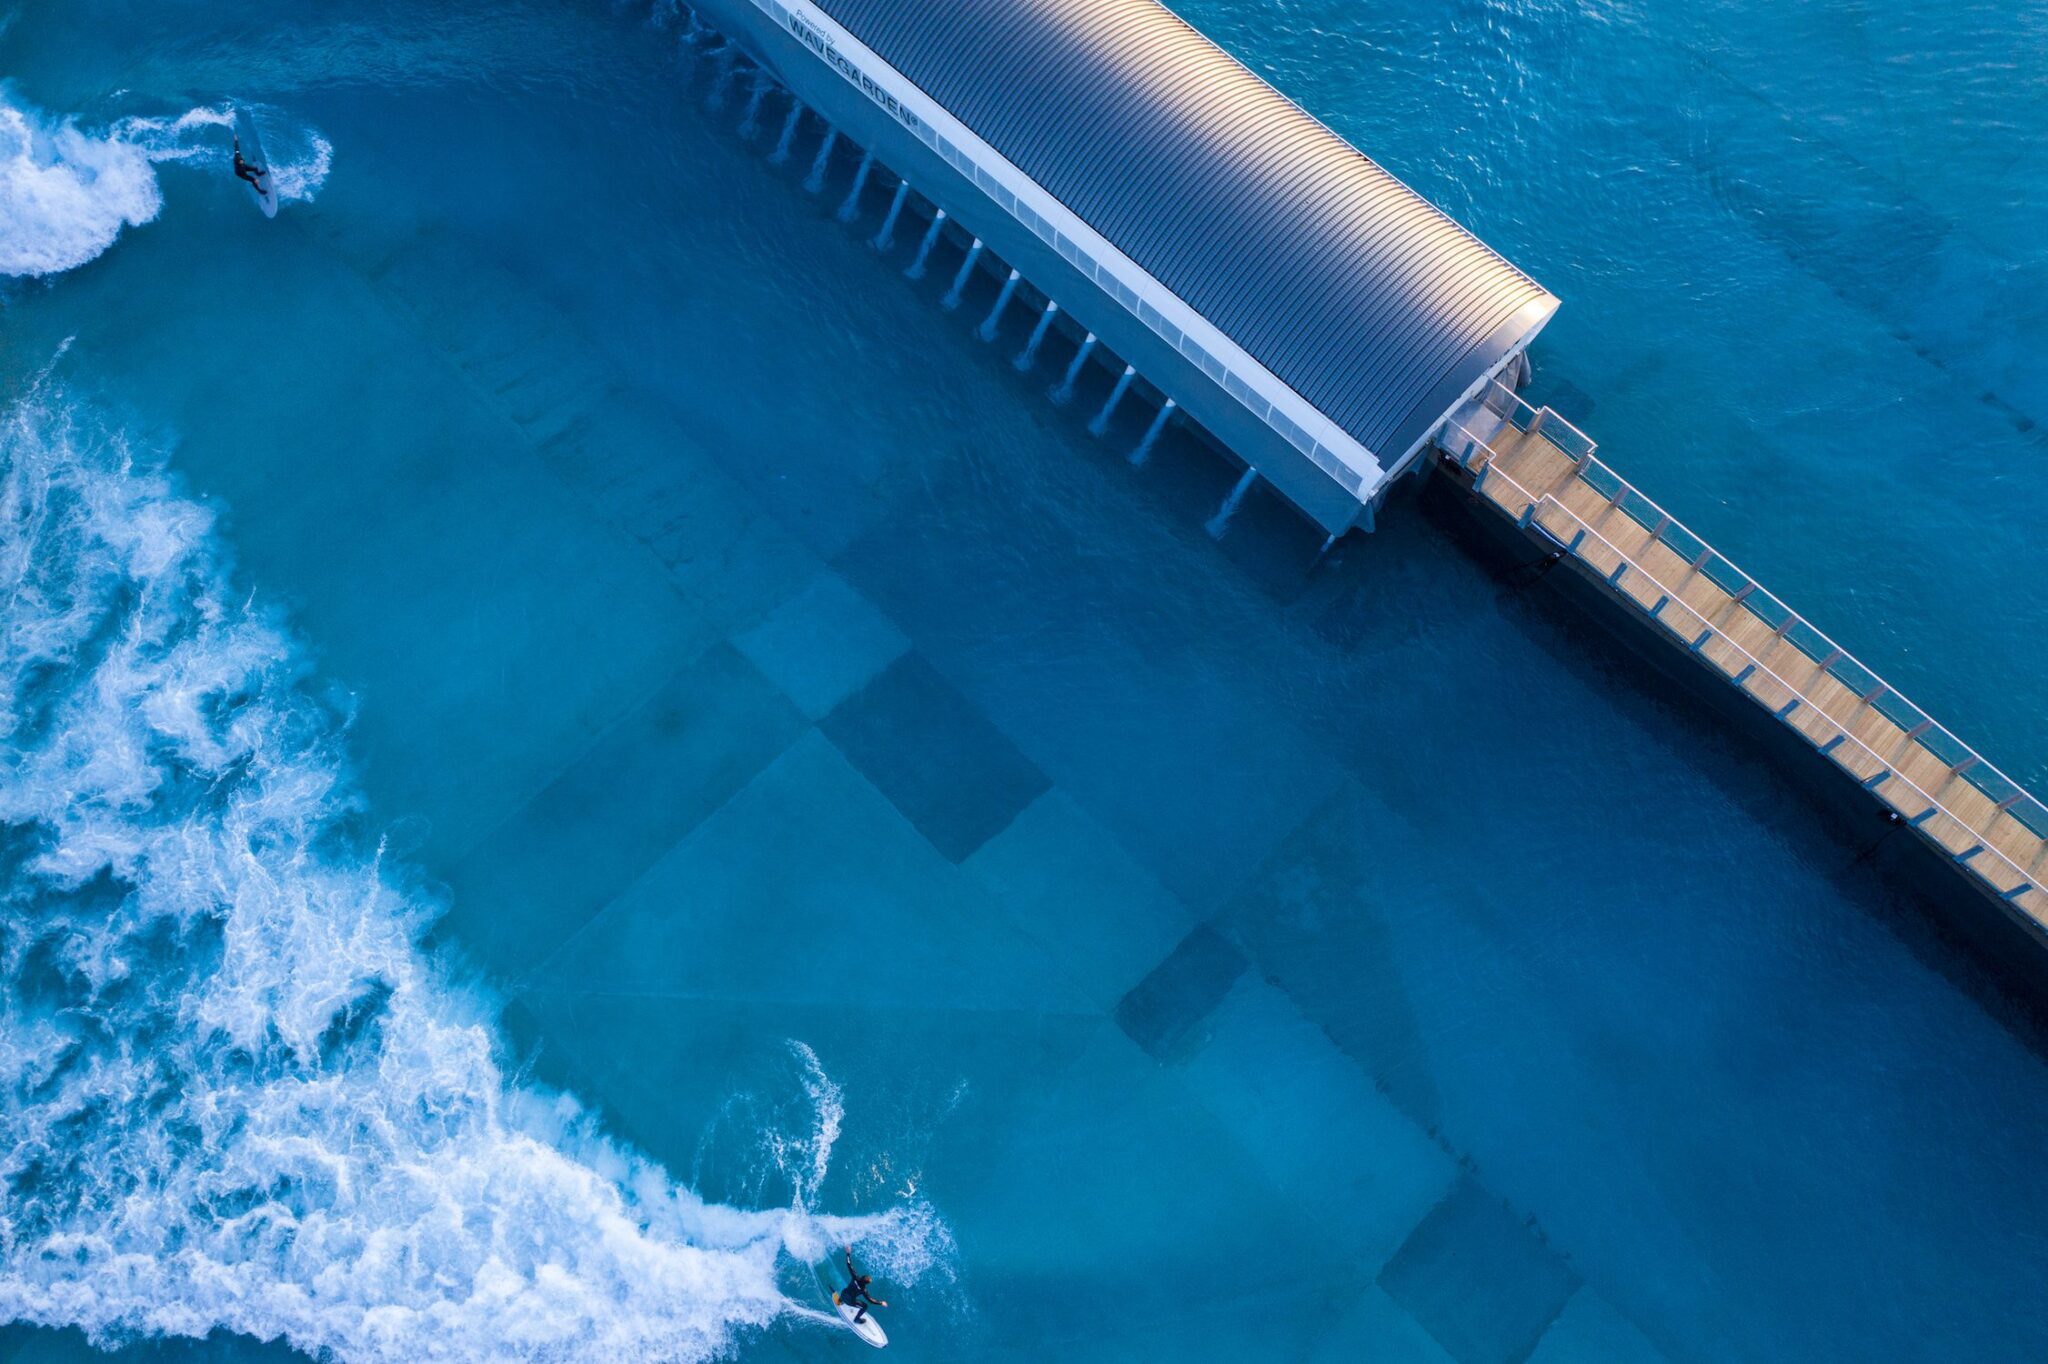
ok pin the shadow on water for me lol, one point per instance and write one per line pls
(1271, 550)
(1903, 884)
(1005, 540)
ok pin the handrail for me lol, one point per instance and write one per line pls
(1539, 421)
(1537, 501)
(1972, 760)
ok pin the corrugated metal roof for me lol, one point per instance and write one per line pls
(1347, 285)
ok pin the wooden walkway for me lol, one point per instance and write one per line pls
(1542, 473)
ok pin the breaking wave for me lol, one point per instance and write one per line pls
(234, 1093)
(66, 193)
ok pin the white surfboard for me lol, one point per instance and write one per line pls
(253, 153)
(870, 1330)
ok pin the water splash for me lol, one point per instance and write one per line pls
(234, 1094)
(300, 158)
(66, 193)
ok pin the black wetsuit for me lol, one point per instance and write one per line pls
(253, 174)
(854, 1295)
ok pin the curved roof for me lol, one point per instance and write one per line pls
(1346, 284)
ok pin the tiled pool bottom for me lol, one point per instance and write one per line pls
(1248, 965)
(1131, 1083)
(695, 791)
(807, 830)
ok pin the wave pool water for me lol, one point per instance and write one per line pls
(66, 192)
(1212, 957)
(237, 1095)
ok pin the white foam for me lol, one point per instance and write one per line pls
(299, 161)
(66, 194)
(233, 1092)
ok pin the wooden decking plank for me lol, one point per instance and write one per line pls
(1724, 655)
(1664, 565)
(2013, 839)
(1902, 796)
(1798, 671)
(1857, 761)
(1968, 804)
(1682, 621)
(2034, 904)
(1746, 630)
(1504, 495)
(1837, 700)
(1956, 837)
(1814, 724)
(1704, 597)
(1644, 590)
(1536, 478)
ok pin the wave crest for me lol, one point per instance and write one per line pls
(66, 194)
(233, 1092)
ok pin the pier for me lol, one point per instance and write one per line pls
(1294, 300)
(1212, 250)
(1542, 473)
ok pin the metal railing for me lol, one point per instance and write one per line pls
(1843, 666)
(1267, 396)
(1521, 414)
(1533, 515)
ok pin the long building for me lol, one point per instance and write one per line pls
(1310, 311)
(1323, 323)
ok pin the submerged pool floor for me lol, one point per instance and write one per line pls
(1248, 962)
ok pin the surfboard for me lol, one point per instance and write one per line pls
(870, 1330)
(253, 153)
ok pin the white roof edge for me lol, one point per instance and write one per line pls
(1260, 391)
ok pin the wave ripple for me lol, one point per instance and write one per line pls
(233, 1092)
(65, 194)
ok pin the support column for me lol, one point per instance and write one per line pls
(887, 236)
(952, 298)
(1116, 395)
(815, 181)
(1027, 357)
(1065, 391)
(851, 206)
(995, 314)
(750, 123)
(924, 248)
(1220, 522)
(1143, 451)
(796, 114)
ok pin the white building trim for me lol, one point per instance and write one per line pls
(1264, 394)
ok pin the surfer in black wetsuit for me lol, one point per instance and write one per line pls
(244, 171)
(855, 1294)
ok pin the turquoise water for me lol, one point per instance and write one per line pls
(575, 741)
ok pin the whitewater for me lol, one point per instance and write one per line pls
(66, 192)
(234, 1092)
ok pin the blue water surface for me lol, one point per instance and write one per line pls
(1237, 957)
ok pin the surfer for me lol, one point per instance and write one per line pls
(855, 1294)
(244, 171)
